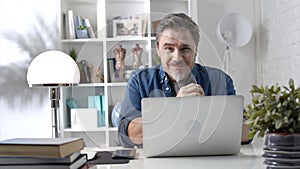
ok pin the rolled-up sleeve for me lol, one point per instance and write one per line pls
(130, 109)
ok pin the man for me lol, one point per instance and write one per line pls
(177, 38)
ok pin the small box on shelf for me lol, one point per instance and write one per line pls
(98, 102)
(84, 119)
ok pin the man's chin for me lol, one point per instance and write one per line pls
(179, 77)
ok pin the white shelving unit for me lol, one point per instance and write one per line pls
(97, 50)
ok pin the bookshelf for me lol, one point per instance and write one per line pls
(96, 52)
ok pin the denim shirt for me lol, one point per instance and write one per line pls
(154, 82)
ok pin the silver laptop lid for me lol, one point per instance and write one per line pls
(186, 126)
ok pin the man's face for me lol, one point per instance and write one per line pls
(177, 51)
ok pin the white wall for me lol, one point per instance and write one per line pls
(243, 64)
(24, 112)
(280, 44)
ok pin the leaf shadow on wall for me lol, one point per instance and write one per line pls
(14, 89)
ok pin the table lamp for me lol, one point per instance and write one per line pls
(53, 69)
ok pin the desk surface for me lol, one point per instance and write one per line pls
(248, 158)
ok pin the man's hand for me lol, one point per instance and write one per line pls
(245, 131)
(135, 131)
(190, 90)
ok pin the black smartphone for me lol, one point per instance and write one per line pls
(124, 154)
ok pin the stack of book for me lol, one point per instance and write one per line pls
(42, 153)
(75, 24)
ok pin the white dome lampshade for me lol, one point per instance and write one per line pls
(53, 68)
(234, 30)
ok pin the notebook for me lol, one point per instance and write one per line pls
(191, 126)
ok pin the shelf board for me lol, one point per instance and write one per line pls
(91, 85)
(96, 40)
(126, 1)
(102, 84)
(102, 129)
(117, 84)
(170, 1)
(127, 38)
(80, 2)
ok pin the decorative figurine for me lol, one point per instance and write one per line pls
(120, 53)
(137, 54)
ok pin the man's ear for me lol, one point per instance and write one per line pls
(157, 48)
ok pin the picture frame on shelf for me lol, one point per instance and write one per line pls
(130, 27)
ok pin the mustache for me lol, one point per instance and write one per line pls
(177, 63)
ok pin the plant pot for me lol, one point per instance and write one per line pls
(283, 140)
(82, 34)
(282, 150)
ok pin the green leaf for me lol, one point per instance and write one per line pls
(291, 83)
(278, 124)
(255, 89)
(251, 134)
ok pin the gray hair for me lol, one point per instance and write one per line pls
(178, 21)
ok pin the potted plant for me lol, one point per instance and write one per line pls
(275, 114)
(73, 54)
(82, 32)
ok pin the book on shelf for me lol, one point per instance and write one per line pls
(97, 102)
(144, 19)
(69, 25)
(86, 22)
(111, 75)
(103, 109)
(79, 162)
(41, 147)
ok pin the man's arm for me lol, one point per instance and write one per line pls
(130, 110)
(135, 131)
(222, 84)
(245, 131)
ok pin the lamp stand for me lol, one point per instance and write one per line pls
(54, 98)
(227, 66)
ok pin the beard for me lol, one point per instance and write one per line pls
(179, 76)
(178, 71)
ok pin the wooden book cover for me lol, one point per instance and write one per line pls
(40, 147)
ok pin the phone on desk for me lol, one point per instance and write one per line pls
(124, 154)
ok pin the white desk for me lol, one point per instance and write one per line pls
(248, 158)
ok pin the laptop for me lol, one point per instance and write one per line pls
(192, 126)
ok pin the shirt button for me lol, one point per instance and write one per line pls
(167, 88)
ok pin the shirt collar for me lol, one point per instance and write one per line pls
(163, 75)
(164, 78)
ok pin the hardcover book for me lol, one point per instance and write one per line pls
(78, 163)
(40, 147)
(9, 160)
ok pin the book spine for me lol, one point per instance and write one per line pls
(71, 24)
(103, 109)
(66, 30)
(97, 103)
(111, 69)
(86, 22)
(76, 24)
